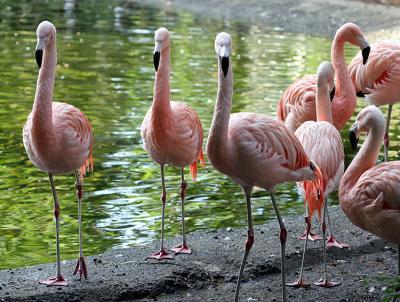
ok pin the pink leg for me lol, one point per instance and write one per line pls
(249, 241)
(182, 248)
(332, 241)
(162, 254)
(311, 236)
(59, 279)
(81, 264)
(300, 282)
(324, 282)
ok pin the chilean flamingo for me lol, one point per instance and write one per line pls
(57, 138)
(379, 79)
(254, 150)
(368, 193)
(172, 134)
(297, 103)
(323, 144)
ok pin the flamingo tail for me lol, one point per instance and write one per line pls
(193, 166)
(314, 190)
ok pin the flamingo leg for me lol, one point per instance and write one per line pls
(324, 282)
(59, 279)
(332, 241)
(182, 248)
(311, 236)
(300, 282)
(162, 253)
(81, 265)
(248, 244)
(282, 237)
(386, 139)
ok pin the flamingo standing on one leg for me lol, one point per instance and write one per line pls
(57, 137)
(378, 80)
(323, 144)
(254, 150)
(297, 103)
(172, 134)
(369, 194)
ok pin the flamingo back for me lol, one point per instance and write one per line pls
(379, 78)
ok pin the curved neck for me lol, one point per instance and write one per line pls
(323, 106)
(161, 97)
(42, 107)
(365, 158)
(218, 134)
(344, 102)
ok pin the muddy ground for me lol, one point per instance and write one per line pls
(209, 274)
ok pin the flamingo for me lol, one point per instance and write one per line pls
(378, 80)
(172, 134)
(58, 138)
(369, 194)
(323, 144)
(254, 150)
(297, 103)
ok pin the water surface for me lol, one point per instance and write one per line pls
(105, 69)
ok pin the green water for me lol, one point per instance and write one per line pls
(105, 69)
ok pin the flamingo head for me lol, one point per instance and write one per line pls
(161, 40)
(325, 78)
(46, 33)
(369, 117)
(352, 33)
(223, 48)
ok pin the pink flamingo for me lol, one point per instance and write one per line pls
(57, 138)
(297, 103)
(378, 80)
(368, 193)
(323, 144)
(172, 134)
(254, 150)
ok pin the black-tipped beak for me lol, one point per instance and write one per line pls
(332, 93)
(225, 65)
(156, 59)
(365, 54)
(39, 57)
(353, 140)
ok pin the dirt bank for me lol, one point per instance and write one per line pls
(209, 274)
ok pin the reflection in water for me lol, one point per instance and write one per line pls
(105, 69)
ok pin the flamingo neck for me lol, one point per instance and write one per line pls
(42, 114)
(218, 135)
(344, 102)
(161, 98)
(323, 106)
(365, 158)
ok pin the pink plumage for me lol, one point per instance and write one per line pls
(297, 103)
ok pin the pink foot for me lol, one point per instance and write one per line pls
(54, 281)
(333, 242)
(181, 249)
(311, 236)
(325, 283)
(161, 255)
(81, 268)
(299, 283)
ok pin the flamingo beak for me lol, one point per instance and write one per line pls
(332, 93)
(365, 54)
(224, 56)
(156, 55)
(353, 136)
(39, 53)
